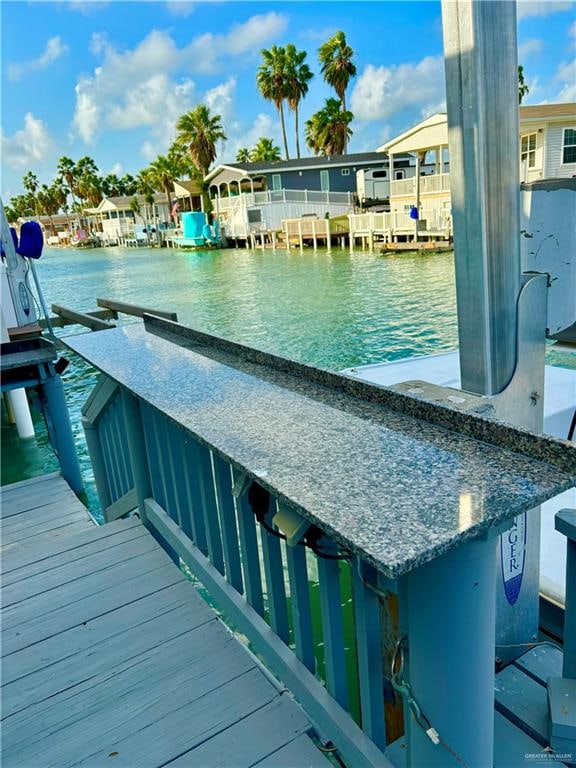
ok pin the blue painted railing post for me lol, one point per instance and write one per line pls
(451, 625)
(98, 464)
(332, 623)
(565, 522)
(369, 652)
(55, 401)
(139, 460)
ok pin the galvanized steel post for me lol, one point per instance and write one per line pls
(53, 391)
(481, 60)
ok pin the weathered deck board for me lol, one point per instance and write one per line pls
(109, 652)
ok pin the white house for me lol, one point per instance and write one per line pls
(547, 151)
(115, 217)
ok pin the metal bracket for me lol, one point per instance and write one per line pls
(521, 402)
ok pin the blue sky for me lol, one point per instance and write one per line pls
(109, 79)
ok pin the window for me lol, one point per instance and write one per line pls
(325, 181)
(398, 175)
(345, 171)
(276, 182)
(379, 174)
(254, 215)
(528, 149)
(569, 146)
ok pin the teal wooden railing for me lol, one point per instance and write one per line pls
(213, 518)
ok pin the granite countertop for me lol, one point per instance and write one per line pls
(398, 489)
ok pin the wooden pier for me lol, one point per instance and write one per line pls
(111, 657)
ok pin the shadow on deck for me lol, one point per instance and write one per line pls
(110, 657)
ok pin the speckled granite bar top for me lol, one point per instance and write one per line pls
(397, 489)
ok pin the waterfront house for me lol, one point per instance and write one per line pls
(547, 151)
(115, 217)
(255, 197)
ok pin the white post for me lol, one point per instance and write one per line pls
(417, 197)
(273, 239)
(21, 412)
(305, 195)
(301, 242)
(314, 240)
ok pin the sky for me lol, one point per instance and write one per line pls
(110, 79)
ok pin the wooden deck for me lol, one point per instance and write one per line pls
(111, 658)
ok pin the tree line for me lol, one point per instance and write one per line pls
(283, 78)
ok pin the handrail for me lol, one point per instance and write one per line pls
(212, 440)
(199, 509)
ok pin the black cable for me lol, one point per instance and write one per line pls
(572, 427)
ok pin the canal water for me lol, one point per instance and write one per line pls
(330, 309)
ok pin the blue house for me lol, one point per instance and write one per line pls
(315, 174)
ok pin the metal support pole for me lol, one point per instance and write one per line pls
(41, 298)
(451, 621)
(98, 464)
(481, 61)
(55, 401)
(565, 522)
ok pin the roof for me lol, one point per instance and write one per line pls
(302, 163)
(435, 125)
(124, 201)
(547, 111)
(434, 130)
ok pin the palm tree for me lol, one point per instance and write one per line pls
(161, 174)
(243, 155)
(271, 80)
(88, 181)
(48, 204)
(298, 75)
(523, 89)
(336, 59)
(67, 172)
(199, 131)
(183, 164)
(265, 151)
(328, 130)
(30, 184)
(112, 186)
(144, 187)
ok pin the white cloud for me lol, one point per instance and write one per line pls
(526, 8)
(116, 169)
(53, 50)
(240, 136)
(317, 35)
(32, 147)
(136, 87)
(381, 92)
(87, 7)
(180, 7)
(534, 45)
(566, 74)
(221, 99)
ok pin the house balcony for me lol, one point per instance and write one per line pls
(246, 199)
(429, 185)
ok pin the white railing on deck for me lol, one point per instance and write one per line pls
(432, 184)
(283, 196)
(436, 183)
(400, 187)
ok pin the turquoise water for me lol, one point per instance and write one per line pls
(331, 309)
